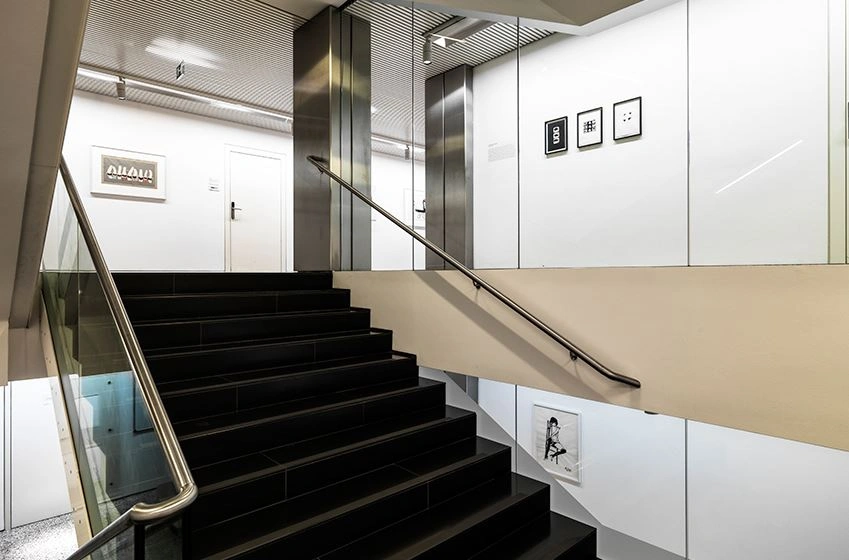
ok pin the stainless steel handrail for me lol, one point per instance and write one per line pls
(574, 351)
(141, 513)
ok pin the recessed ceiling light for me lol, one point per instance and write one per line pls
(183, 52)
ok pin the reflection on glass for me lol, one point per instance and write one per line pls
(119, 455)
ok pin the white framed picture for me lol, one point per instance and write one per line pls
(557, 441)
(590, 128)
(126, 174)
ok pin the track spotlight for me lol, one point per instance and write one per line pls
(121, 89)
(427, 52)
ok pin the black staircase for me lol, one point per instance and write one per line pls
(310, 438)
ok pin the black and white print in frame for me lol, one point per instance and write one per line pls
(628, 118)
(590, 128)
(556, 136)
(557, 441)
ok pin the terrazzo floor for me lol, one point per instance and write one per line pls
(51, 539)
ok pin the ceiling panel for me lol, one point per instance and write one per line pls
(242, 50)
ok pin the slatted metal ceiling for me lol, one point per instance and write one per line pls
(242, 50)
(398, 35)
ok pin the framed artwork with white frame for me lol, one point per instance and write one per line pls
(127, 174)
(628, 119)
(557, 441)
(590, 128)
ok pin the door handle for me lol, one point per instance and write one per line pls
(233, 210)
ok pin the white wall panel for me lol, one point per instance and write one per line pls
(620, 203)
(496, 164)
(39, 488)
(391, 188)
(633, 474)
(753, 497)
(759, 131)
(186, 231)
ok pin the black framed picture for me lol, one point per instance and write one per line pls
(628, 118)
(556, 136)
(590, 128)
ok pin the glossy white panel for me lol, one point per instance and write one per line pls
(619, 203)
(753, 497)
(759, 131)
(39, 487)
(633, 474)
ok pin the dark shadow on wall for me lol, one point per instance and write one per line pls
(507, 337)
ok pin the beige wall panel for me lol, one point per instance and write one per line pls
(763, 349)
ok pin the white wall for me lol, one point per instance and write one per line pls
(756, 107)
(496, 164)
(617, 204)
(632, 466)
(39, 488)
(748, 496)
(754, 497)
(759, 131)
(186, 231)
(391, 178)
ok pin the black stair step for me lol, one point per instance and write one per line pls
(200, 383)
(202, 332)
(244, 356)
(148, 283)
(457, 528)
(218, 438)
(549, 537)
(311, 524)
(257, 389)
(234, 487)
(193, 306)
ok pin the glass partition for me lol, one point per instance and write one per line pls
(658, 487)
(631, 138)
(120, 458)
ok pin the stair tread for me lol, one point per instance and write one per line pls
(191, 429)
(251, 316)
(256, 344)
(202, 295)
(417, 534)
(292, 516)
(213, 477)
(561, 534)
(247, 377)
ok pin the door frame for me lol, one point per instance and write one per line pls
(285, 234)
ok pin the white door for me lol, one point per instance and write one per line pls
(255, 211)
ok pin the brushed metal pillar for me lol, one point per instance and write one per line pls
(332, 112)
(449, 165)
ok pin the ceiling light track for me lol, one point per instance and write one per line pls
(123, 82)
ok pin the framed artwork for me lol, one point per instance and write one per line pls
(126, 174)
(557, 441)
(590, 128)
(556, 136)
(628, 119)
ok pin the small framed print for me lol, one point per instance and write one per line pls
(556, 136)
(590, 128)
(628, 119)
(557, 441)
